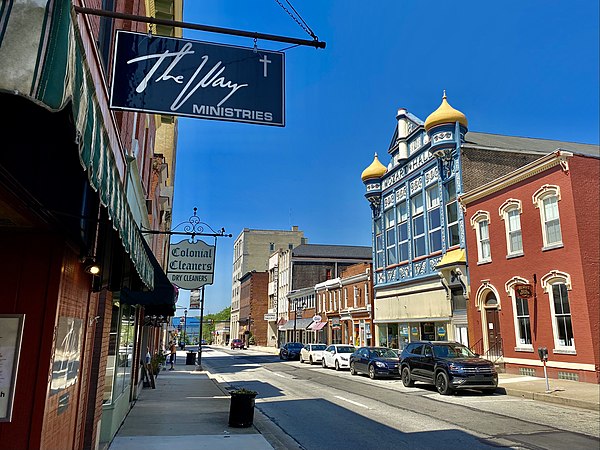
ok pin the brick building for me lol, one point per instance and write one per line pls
(538, 226)
(77, 182)
(419, 243)
(253, 306)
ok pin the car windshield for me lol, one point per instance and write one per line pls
(295, 345)
(346, 349)
(237, 340)
(452, 351)
(318, 347)
(383, 353)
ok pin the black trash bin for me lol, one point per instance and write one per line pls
(241, 410)
(190, 358)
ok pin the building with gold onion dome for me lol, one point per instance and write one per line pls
(421, 281)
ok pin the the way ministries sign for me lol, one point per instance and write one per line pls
(197, 79)
(191, 264)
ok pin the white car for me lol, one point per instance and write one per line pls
(312, 353)
(338, 356)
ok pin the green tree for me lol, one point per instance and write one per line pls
(210, 320)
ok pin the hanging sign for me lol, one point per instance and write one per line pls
(524, 291)
(182, 77)
(195, 299)
(191, 264)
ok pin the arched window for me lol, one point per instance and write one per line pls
(480, 221)
(510, 212)
(557, 285)
(520, 314)
(546, 200)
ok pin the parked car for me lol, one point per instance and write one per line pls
(448, 366)
(237, 343)
(291, 350)
(338, 356)
(203, 342)
(313, 353)
(375, 361)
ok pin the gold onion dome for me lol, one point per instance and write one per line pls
(375, 170)
(445, 114)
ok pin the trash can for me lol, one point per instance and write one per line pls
(190, 358)
(241, 410)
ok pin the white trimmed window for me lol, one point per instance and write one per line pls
(451, 213)
(546, 200)
(480, 221)
(510, 212)
(557, 285)
(378, 243)
(402, 212)
(418, 225)
(433, 218)
(390, 237)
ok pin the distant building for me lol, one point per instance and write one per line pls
(253, 306)
(299, 271)
(251, 251)
(538, 226)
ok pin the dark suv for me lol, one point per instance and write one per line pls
(447, 365)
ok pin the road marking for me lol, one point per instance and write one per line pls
(213, 396)
(353, 402)
(279, 375)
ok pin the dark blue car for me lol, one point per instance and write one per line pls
(374, 361)
(291, 350)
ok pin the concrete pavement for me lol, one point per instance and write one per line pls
(190, 410)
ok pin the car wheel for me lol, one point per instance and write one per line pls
(442, 384)
(406, 379)
(490, 391)
(301, 360)
(310, 360)
(337, 365)
(323, 363)
(372, 375)
(352, 369)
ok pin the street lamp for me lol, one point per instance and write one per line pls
(303, 304)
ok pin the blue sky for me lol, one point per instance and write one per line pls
(521, 68)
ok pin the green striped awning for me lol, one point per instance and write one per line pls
(42, 57)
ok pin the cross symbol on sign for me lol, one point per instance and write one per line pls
(265, 61)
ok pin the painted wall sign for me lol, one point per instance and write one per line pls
(197, 79)
(191, 264)
(270, 317)
(67, 354)
(11, 334)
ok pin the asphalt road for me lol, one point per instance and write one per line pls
(324, 409)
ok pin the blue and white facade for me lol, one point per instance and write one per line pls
(419, 233)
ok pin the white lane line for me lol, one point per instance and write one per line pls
(212, 396)
(279, 375)
(351, 401)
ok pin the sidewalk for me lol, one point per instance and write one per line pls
(189, 410)
(562, 392)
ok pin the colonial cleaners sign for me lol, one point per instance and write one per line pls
(197, 79)
(191, 264)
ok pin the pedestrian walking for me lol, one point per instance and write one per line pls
(173, 355)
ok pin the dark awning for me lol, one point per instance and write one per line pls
(163, 294)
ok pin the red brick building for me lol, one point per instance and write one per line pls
(538, 226)
(77, 183)
(254, 301)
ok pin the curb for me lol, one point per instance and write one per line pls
(549, 398)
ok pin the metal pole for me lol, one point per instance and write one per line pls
(295, 315)
(546, 376)
(201, 320)
(192, 26)
(184, 328)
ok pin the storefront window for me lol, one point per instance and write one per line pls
(393, 335)
(120, 353)
(383, 335)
